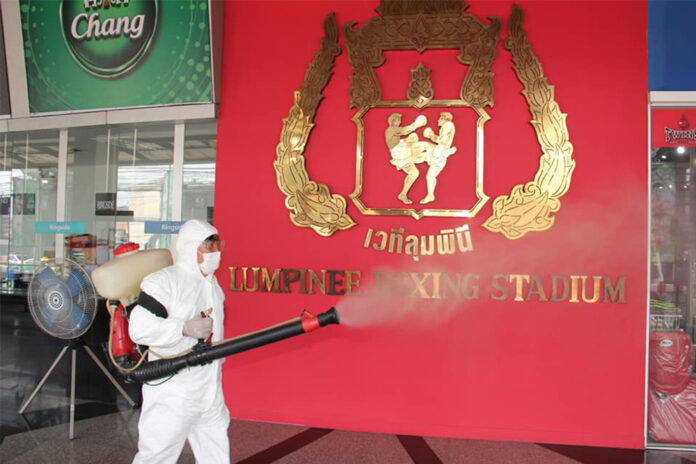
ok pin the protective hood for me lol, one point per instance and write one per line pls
(191, 234)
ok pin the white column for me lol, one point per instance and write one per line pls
(61, 186)
(177, 193)
(178, 171)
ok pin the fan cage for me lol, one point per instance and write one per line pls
(62, 299)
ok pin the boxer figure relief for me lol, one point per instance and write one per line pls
(408, 152)
(437, 156)
(405, 153)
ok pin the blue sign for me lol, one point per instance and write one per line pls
(162, 227)
(46, 227)
(671, 53)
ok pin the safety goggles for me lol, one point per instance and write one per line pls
(211, 244)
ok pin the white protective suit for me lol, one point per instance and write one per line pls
(190, 404)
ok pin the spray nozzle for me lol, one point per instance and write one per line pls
(311, 322)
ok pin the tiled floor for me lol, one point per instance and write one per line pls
(106, 426)
(112, 438)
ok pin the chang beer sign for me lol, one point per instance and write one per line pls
(109, 38)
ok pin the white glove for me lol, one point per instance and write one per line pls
(420, 121)
(198, 327)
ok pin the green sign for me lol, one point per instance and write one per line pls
(98, 54)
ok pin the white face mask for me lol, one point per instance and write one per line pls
(211, 261)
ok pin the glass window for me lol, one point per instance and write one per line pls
(672, 280)
(144, 183)
(199, 171)
(28, 193)
(90, 176)
(118, 182)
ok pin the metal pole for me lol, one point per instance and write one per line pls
(45, 377)
(108, 375)
(72, 394)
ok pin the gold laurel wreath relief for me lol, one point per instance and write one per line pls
(530, 207)
(311, 203)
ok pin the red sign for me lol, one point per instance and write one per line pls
(510, 307)
(673, 128)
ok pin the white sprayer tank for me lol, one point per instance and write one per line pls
(120, 278)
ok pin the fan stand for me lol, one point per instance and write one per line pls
(73, 347)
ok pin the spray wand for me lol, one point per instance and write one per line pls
(160, 368)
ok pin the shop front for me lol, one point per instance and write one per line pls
(671, 412)
(107, 136)
(109, 133)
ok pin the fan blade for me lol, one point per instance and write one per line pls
(48, 315)
(47, 277)
(76, 282)
(79, 319)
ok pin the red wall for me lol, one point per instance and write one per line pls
(553, 372)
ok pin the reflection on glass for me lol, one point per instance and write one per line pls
(117, 179)
(672, 296)
(28, 192)
(199, 171)
(145, 163)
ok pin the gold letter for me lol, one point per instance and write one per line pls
(352, 282)
(289, 276)
(436, 285)
(471, 281)
(574, 289)
(452, 285)
(303, 281)
(398, 235)
(368, 237)
(595, 295)
(611, 292)
(536, 288)
(431, 246)
(411, 247)
(384, 241)
(519, 279)
(254, 279)
(419, 284)
(268, 281)
(233, 278)
(497, 283)
(382, 283)
(445, 242)
(468, 247)
(554, 288)
(314, 280)
(334, 283)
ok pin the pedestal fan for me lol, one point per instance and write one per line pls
(63, 304)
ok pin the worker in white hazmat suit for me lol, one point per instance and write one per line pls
(190, 405)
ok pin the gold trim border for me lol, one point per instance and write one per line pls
(481, 196)
(531, 207)
(311, 204)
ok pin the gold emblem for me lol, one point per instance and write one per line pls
(530, 207)
(424, 26)
(311, 203)
(409, 151)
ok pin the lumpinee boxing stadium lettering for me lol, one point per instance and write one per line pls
(432, 285)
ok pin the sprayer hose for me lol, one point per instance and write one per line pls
(196, 357)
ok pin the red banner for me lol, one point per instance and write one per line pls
(673, 128)
(510, 307)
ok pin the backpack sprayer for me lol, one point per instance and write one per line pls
(119, 282)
